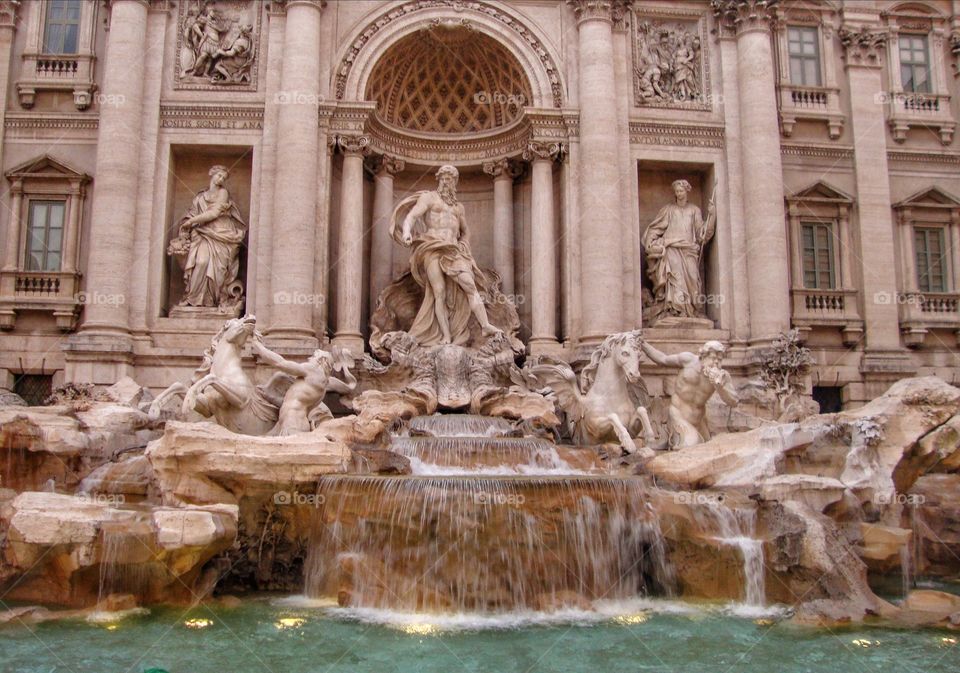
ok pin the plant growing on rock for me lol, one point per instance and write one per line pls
(783, 368)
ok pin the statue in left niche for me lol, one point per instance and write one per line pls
(207, 247)
(216, 47)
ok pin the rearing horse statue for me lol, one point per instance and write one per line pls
(609, 404)
(221, 389)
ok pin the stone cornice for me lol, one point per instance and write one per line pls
(682, 135)
(740, 16)
(200, 116)
(16, 120)
(863, 46)
(816, 151)
(924, 157)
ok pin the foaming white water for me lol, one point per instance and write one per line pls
(626, 612)
(108, 616)
(736, 528)
(561, 468)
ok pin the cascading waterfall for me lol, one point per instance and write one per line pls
(481, 455)
(737, 528)
(488, 544)
(461, 425)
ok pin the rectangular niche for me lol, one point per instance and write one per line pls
(656, 191)
(189, 174)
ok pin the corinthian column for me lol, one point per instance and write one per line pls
(114, 215)
(295, 191)
(503, 173)
(600, 188)
(767, 251)
(349, 260)
(863, 57)
(381, 245)
(543, 281)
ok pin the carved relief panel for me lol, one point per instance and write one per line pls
(217, 44)
(670, 60)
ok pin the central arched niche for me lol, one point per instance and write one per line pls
(448, 79)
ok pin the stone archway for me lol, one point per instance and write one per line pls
(355, 64)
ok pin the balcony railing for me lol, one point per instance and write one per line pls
(925, 110)
(827, 308)
(814, 103)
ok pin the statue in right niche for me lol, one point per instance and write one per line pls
(674, 243)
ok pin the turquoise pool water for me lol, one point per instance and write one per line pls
(291, 636)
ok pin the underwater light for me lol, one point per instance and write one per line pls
(638, 618)
(198, 623)
(861, 642)
(422, 629)
(289, 622)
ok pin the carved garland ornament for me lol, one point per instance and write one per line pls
(491, 10)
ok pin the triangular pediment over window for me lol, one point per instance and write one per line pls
(934, 197)
(46, 167)
(823, 192)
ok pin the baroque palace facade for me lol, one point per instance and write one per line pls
(816, 138)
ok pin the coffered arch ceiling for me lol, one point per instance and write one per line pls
(451, 80)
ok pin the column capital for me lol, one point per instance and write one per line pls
(613, 11)
(502, 168)
(352, 144)
(387, 164)
(863, 47)
(741, 16)
(541, 151)
(281, 6)
(8, 13)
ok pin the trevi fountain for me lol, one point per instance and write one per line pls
(490, 463)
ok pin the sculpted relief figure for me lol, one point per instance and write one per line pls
(668, 64)
(700, 377)
(208, 247)
(674, 244)
(442, 264)
(214, 47)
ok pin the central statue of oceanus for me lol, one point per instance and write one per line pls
(454, 287)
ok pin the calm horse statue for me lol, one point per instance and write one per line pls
(221, 388)
(608, 405)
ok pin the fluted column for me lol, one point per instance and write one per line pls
(114, 212)
(600, 178)
(381, 245)
(295, 191)
(863, 58)
(503, 172)
(543, 248)
(767, 251)
(349, 261)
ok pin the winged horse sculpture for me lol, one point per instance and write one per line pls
(608, 405)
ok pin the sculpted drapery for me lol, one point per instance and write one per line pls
(208, 245)
(674, 243)
(442, 264)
